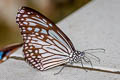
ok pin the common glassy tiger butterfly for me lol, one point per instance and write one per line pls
(45, 45)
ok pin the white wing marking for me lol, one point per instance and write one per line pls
(18, 15)
(43, 31)
(29, 28)
(22, 19)
(39, 42)
(46, 54)
(22, 11)
(32, 24)
(58, 44)
(36, 45)
(53, 34)
(41, 51)
(50, 25)
(37, 30)
(25, 15)
(49, 41)
(55, 50)
(55, 62)
(49, 58)
(39, 20)
(68, 46)
(35, 21)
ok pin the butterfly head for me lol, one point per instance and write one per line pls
(80, 53)
(86, 56)
(77, 56)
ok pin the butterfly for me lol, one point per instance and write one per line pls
(45, 45)
(7, 51)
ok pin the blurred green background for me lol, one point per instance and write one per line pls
(55, 10)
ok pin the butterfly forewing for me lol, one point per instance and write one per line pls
(45, 45)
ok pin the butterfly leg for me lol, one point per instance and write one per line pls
(88, 61)
(60, 69)
(83, 65)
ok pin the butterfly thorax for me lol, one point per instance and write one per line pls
(77, 57)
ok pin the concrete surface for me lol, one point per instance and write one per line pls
(96, 25)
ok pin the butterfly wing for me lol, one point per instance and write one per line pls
(45, 45)
(7, 51)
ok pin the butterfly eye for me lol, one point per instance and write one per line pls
(82, 54)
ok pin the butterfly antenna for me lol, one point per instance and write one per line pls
(97, 49)
(98, 59)
(88, 61)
